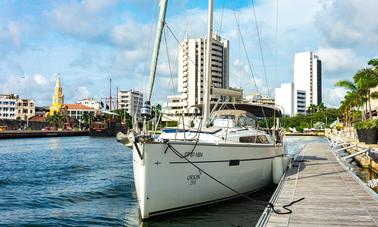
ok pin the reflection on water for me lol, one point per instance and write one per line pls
(365, 175)
(236, 212)
(54, 144)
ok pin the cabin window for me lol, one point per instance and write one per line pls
(248, 139)
(254, 139)
(244, 121)
(263, 139)
(232, 117)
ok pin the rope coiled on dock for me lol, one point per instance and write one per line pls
(271, 206)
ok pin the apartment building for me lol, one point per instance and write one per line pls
(131, 101)
(306, 89)
(77, 110)
(13, 107)
(307, 80)
(191, 72)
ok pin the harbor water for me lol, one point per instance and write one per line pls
(81, 181)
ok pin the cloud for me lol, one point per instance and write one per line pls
(339, 59)
(123, 35)
(82, 92)
(11, 33)
(36, 87)
(346, 23)
(333, 100)
(40, 80)
(85, 19)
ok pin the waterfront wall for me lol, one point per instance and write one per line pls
(16, 124)
(10, 134)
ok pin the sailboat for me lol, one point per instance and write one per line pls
(224, 156)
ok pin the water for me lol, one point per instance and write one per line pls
(81, 181)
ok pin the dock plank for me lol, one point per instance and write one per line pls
(333, 197)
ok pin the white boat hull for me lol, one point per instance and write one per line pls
(165, 182)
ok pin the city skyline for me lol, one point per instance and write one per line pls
(39, 39)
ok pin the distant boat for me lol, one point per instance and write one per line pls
(107, 127)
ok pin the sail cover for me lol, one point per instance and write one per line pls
(259, 110)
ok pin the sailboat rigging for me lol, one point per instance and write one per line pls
(224, 156)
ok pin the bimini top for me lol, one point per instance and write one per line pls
(259, 110)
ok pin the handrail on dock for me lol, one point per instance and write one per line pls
(345, 148)
(339, 144)
(357, 153)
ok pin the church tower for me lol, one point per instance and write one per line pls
(58, 98)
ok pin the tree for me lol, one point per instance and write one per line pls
(347, 107)
(355, 91)
(321, 107)
(56, 120)
(311, 109)
(157, 109)
(366, 80)
(86, 119)
(125, 117)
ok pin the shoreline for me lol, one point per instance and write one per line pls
(15, 134)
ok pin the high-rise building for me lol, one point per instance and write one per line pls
(295, 98)
(191, 72)
(58, 98)
(307, 81)
(131, 101)
(284, 98)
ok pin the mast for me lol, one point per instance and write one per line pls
(207, 80)
(116, 107)
(146, 109)
(155, 53)
(110, 95)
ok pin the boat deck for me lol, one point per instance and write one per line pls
(333, 196)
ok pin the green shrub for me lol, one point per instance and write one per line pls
(374, 123)
(358, 125)
(368, 124)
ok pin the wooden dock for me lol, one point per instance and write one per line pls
(333, 195)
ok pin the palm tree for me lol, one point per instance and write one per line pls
(374, 76)
(355, 90)
(374, 63)
(56, 120)
(366, 80)
(347, 107)
(311, 109)
(321, 107)
(86, 119)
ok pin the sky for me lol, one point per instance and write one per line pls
(88, 42)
